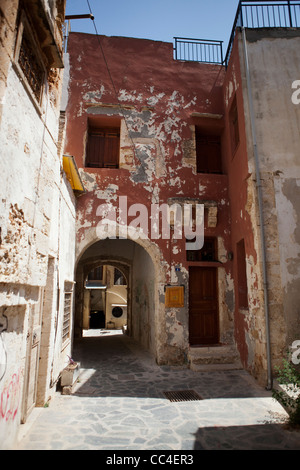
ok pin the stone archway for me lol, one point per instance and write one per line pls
(140, 261)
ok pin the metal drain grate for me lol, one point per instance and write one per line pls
(182, 395)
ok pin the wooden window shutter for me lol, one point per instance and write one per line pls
(112, 145)
(209, 159)
(103, 148)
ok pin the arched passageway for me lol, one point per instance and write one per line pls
(114, 275)
(105, 298)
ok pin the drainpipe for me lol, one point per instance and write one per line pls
(260, 204)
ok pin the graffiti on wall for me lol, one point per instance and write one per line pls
(9, 390)
(3, 353)
(9, 398)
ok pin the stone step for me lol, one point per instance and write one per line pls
(223, 357)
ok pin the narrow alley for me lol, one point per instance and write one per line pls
(119, 403)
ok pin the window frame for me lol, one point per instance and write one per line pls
(68, 294)
(66, 324)
(96, 274)
(203, 162)
(234, 125)
(195, 256)
(26, 28)
(119, 278)
(105, 161)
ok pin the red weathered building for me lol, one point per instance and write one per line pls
(148, 129)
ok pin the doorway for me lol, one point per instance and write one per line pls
(33, 342)
(203, 306)
(105, 296)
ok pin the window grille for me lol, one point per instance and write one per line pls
(30, 64)
(67, 316)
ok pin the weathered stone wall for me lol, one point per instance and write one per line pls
(8, 17)
(37, 243)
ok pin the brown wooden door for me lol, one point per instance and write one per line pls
(203, 306)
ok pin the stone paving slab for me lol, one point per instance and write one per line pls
(119, 404)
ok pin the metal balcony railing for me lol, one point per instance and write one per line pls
(264, 14)
(198, 50)
(250, 14)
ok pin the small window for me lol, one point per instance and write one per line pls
(119, 278)
(96, 274)
(103, 148)
(234, 126)
(207, 253)
(242, 276)
(208, 150)
(67, 316)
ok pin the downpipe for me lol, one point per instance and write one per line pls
(260, 204)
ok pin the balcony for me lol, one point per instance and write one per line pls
(198, 50)
(264, 14)
(250, 14)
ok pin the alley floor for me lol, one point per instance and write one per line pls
(119, 403)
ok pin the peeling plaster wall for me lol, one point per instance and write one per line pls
(157, 102)
(249, 324)
(274, 65)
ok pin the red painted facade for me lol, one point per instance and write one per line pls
(161, 102)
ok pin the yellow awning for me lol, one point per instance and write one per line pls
(72, 173)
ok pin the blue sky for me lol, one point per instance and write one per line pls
(159, 20)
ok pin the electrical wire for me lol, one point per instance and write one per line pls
(111, 79)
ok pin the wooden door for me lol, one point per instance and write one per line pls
(203, 306)
(32, 359)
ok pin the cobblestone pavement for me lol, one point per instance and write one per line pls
(119, 404)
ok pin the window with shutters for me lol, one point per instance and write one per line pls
(67, 316)
(208, 252)
(96, 274)
(208, 151)
(103, 148)
(28, 60)
(234, 126)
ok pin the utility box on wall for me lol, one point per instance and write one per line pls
(174, 297)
